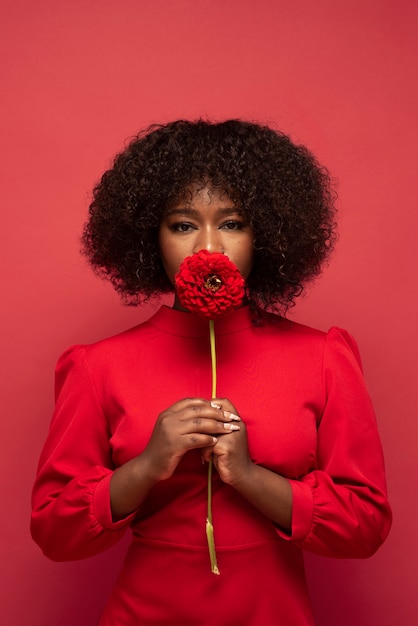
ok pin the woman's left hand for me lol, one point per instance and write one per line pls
(231, 457)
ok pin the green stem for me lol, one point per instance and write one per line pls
(209, 524)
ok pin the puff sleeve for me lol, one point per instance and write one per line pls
(340, 509)
(71, 515)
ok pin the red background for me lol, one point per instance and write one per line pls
(81, 76)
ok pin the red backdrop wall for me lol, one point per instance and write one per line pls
(78, 78)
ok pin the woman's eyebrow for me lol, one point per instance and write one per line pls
(230, 210)
(182, 211)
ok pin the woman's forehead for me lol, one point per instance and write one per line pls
(205, 191)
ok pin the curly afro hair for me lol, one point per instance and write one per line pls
(284, 193)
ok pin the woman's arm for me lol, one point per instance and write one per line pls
(339, 508)
(189, 424)
(81, 504)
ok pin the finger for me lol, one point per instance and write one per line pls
(197, 440)
(207, 454)
(210, 426)
(229, 411)
(188, 402)
(231, 416)
(224, 445)
(205, 411)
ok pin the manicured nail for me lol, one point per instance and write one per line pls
(231, 426)
(232, 416)
(215, 405)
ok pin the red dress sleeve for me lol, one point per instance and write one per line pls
(340, 509)
(71, 515)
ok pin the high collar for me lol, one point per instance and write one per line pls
(186, 324)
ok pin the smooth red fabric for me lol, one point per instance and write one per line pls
(302, 396)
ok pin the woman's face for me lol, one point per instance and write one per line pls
(206, 220)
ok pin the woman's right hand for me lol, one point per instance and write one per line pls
(186, 425)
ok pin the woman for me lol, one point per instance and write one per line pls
(292, 434)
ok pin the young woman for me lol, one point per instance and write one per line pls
(292, 434)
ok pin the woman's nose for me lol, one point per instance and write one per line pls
(209, 239)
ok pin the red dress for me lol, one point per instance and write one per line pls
(308, 415)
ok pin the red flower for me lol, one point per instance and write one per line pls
(209, 284)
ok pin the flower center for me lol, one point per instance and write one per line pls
(213, 282)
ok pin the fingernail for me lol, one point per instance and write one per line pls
(232, 416)
(215, 405)
(214, 439)
(231, 426)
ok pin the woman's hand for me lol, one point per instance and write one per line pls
(216, 428)
(230, 454)
(268, 492)
(186, 425)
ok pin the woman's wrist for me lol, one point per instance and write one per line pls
(267, 491)
(129, 486)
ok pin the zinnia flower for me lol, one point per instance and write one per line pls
(209, 284)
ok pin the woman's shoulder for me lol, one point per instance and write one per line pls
(276, 322)
(113, 347)
(283, 326)
(285, 330)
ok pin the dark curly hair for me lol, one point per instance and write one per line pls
(284, 193)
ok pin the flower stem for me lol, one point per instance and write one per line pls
(209, 524)
(213, 355)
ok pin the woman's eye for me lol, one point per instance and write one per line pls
(233, 225)
(181, 227)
